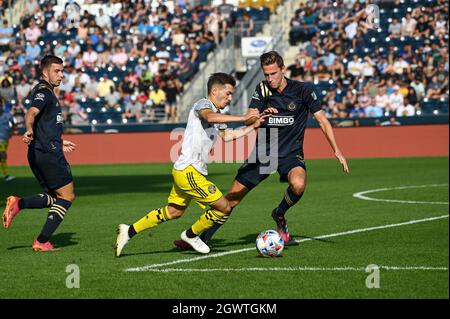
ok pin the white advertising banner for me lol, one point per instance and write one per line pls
(253, 47)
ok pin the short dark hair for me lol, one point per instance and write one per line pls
(49, 60)
(271, 57)
(220, 79)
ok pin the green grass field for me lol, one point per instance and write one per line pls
(320, 266)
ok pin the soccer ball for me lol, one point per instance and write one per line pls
(269, 243)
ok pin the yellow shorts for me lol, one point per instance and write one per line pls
(3, 146)
(190, 184)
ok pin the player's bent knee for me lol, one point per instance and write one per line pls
(298, 188)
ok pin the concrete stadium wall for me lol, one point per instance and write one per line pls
(153, 147)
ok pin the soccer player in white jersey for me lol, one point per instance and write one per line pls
(189, 173)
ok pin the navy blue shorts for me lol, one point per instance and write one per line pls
(251, 174)
(51, 169)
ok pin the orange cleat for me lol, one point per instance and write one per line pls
(11, 210)
(47, 246)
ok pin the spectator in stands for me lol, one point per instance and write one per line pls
(23, 89)
(395, 28)
(382, 99)
(406, 109)
(297, 70)
(354, 68)
(112, 98)
(33, 51)
(77, 115)
(171, 90)
(119, 57)
(104, 86)
(53, 26)
(74, 49)
(7, 92)
(245, 25)
(133, 109)
(6, 35)
(396, 100)
(418, 87)
(434, 88)
(90, 57)
(408, 25)
(159, 98)
(374, 110)
(103, 20)
(33, 33)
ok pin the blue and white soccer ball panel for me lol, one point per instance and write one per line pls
(269, 243)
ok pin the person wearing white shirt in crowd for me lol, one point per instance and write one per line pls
(367, 67)
(382, 99)
(408, 25)
(395, 99)
(406, 109)
(90, 57)
(153, 65)
(419, 88)
(400, 66)
(53, 25)
(354, 67)
(103, 20)
(73, 49)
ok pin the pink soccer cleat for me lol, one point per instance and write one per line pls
(11, 210)
(47, 246)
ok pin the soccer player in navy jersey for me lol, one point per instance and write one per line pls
(281, 138)
(44, 128)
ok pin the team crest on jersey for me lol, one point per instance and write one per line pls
(292, 107)
(255, 96)
(212, 189)
(39, 96)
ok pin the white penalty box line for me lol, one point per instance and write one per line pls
(217, 255)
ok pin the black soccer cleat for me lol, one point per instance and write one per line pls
(282, 228)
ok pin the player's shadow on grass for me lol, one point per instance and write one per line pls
(100, 185)
(58, 241)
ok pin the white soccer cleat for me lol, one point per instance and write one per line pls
(196, 243)
(122, 238)
(9, 178)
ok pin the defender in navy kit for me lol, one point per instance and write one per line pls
(279, 144)
(44, 125)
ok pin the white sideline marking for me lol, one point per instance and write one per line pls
(300, 268)
(360, 195)
(361, 230)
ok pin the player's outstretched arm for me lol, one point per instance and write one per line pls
(211, 117)
(327, 129)
(233, 134)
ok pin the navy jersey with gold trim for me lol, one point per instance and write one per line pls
(48, 124)
(294, 104)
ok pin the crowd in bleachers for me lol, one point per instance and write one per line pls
(397, 68)
(124, 66)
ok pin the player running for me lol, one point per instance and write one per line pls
(189, 172)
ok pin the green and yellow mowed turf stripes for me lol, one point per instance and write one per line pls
(112, 194)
